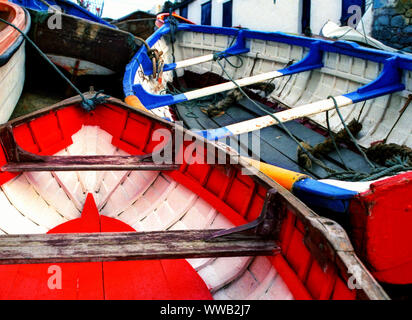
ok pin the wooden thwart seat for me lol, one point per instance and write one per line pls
(19, 160)
(253, 239)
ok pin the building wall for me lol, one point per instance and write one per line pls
(392, 23)
(271, 15)
(322, 11)
(265, 15)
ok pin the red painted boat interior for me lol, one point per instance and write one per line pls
(236, 196)
(381, 229)
(142, 280)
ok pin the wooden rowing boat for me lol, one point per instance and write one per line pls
(370, 85)
(139, 23)
(12, 57)
(120, 223)
(79, 44)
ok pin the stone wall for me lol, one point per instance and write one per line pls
(392, 23)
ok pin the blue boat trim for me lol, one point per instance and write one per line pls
(387, 82)
(214, 134)
(239, 47)
(313, 60)
(152, 101)
(322, 195)
(67, 7)
(166, 67)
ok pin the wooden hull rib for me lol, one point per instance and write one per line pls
(198, 199)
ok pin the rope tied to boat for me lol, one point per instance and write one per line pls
(382, 153)
(355, 143)
(232, 97)
(213, 110)
(395, 165)
(154, 55)
(280, 123)
(174, 24)
(87, 104)
(398, 158)
(90, 104)
(222, 55)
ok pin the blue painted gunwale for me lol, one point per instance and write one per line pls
(387, 83)
(67, 7)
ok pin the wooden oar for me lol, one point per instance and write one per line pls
(283, 116)
(189, 62)
(151, 101)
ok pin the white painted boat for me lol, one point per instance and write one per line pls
(53, 195)
(12, 57)
(370, 85)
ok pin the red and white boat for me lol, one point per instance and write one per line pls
(204, 230)
(12, 57)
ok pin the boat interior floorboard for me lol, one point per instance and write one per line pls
(276, 147)
(352, 159)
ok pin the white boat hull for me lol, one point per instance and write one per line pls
(12, 76)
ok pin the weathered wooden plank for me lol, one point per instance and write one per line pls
(94, 247)
(83, 40)
(117, 165)
(19, 160)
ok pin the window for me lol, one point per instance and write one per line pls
(306, 15)
(183, 11)
(227, 13)
(207, 13)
